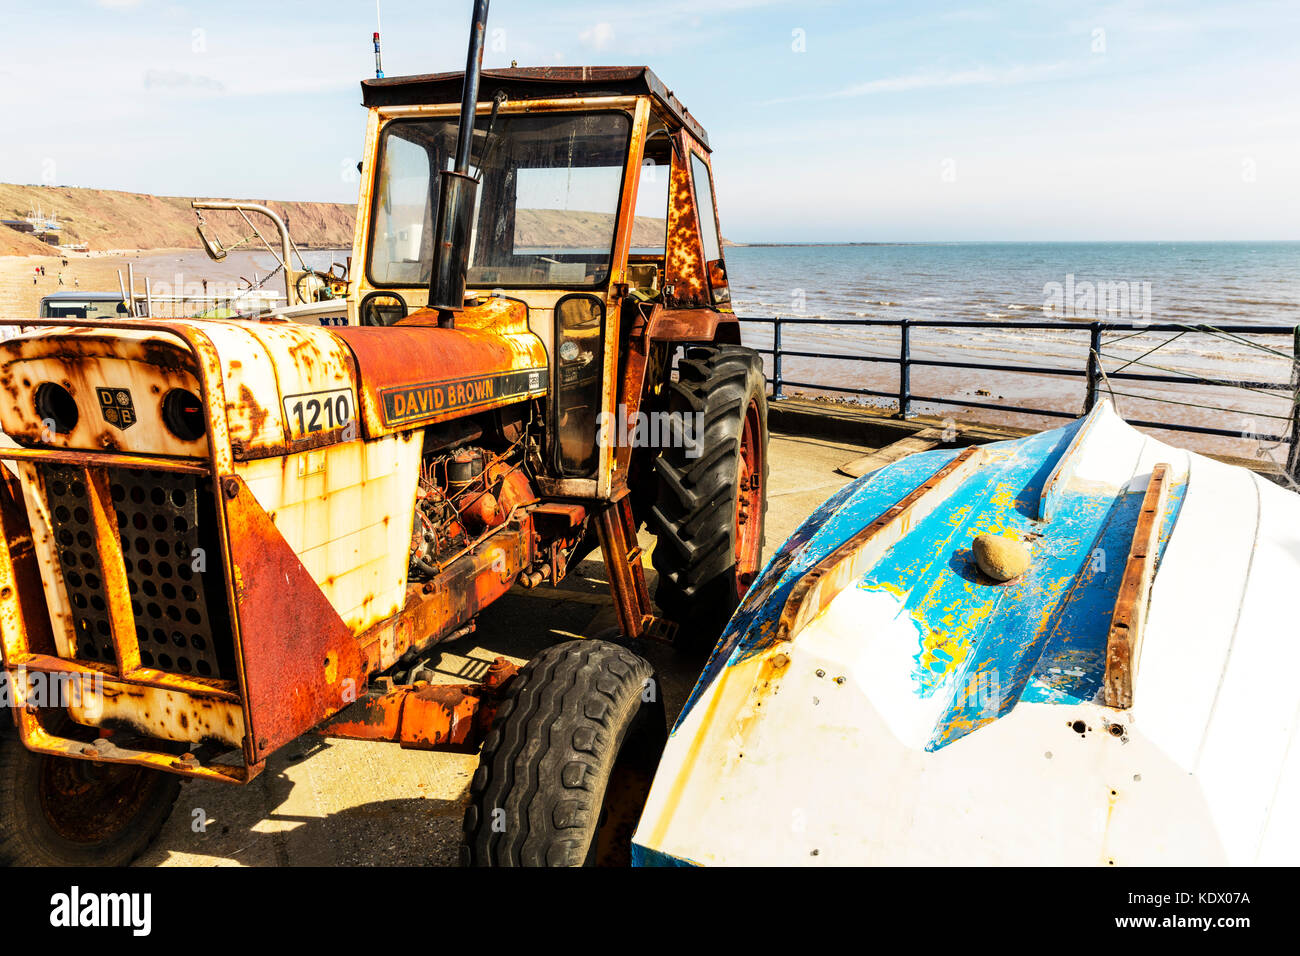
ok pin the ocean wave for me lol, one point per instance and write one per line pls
(1280, 304)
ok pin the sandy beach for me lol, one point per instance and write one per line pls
(20, 296)
(184, 270)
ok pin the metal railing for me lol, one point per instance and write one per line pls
(1093, 371)
(243, 302)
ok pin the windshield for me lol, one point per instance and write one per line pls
(82, 308)
(547, 206)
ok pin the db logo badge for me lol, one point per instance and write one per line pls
(115, 405)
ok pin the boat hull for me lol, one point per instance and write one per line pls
(904, 708)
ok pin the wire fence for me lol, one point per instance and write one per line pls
(244, 302)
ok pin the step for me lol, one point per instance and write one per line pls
(923, 440)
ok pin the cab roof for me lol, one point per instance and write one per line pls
(531, 83)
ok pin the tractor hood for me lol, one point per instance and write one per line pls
(284, 387)
(415, 373)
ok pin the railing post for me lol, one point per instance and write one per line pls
(1094, 366)
(904, 368)
(1293, 454)
(776, 359)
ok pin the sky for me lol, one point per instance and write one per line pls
(830, 121)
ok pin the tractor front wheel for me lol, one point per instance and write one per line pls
(567, 765)
(58, 811)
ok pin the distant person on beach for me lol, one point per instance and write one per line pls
(60, 278)
(76, 282)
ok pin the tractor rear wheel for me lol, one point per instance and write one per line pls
(712, 499)
(567, 765)
(58, 811)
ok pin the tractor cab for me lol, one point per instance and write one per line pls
(593, 208)
(592, 181)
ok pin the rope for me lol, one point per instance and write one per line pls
(1233, 337)
(1149, 351)
(1196, 378)
(1213, 408)
(1122, 338)
(1213, 333)
(1106, 380)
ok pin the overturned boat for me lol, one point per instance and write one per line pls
(1122, 699)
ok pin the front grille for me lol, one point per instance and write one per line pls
(69, 505)
(172, 557)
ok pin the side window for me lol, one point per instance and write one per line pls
(403, 220)
(650, 225)
(704, 199)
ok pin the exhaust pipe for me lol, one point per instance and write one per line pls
(458, 192)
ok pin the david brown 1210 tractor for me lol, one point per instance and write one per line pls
(221, 535)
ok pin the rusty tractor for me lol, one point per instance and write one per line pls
(222, 535)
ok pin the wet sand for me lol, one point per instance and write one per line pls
(1246, 412)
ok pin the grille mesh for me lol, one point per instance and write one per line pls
(173, 567)
(69, 503)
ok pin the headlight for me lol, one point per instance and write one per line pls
(56, 408)
(182, 413)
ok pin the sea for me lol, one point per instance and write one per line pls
(1198, 286)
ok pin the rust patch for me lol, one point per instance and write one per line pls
(1128, 620)
(288, 691)
(684, 268)
(424, 716)
(249, 409)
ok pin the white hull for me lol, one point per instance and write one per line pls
(834, 747)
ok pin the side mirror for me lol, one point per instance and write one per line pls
(381, 308)
(718, 285)
(212, 246)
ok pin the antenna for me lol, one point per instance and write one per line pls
(379, 62)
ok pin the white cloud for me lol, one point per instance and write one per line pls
(179, 80)
(981, 76)
(597, 37)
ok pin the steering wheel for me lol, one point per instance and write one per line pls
(313, 286)
(370, 314)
